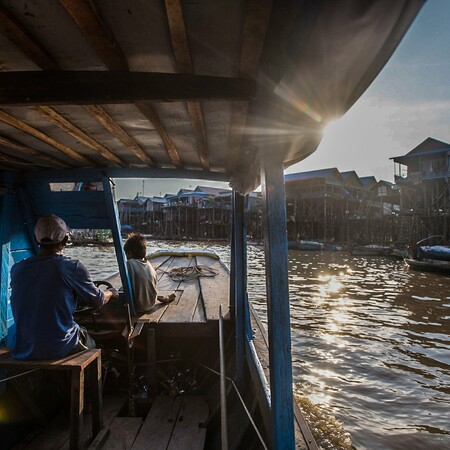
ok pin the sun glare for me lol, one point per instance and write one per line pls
(330, 127)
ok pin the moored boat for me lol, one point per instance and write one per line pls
(305, 244)
(432, 258)
(90, 237)
(371, 250)
(429, 265)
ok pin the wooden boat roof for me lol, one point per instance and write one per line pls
(204, 87)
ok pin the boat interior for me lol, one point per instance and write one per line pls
(92, 91)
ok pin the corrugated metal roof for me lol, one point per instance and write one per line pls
(321, 173)
(427, 147)
(368, 179)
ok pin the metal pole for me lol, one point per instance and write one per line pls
(223, 394)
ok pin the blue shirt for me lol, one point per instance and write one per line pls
(43, 299)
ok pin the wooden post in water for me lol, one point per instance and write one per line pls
(278, 314)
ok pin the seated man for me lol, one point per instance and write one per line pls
(44, 292)
(142, 275)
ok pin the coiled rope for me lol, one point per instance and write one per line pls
(191, 272)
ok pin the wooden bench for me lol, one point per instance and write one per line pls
(76, 365)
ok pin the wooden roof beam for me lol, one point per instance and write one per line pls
(180, 44)
(13, 160)
(90, 22)
(15, 32)
(148, 111)
(7, 168)
(28, 151)
(53, 116)
(256, 22)
(24, 127)
(95, 87)
(117, 131)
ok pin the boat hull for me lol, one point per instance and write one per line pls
(429, 265)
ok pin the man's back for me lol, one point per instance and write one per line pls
(43, 300)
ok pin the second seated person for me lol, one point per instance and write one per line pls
(142, 275)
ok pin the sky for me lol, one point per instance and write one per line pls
(408, 102)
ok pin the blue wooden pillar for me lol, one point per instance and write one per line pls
(111, 208)
(240, 282)
(278, 314)
(5, 257)
(28, 217)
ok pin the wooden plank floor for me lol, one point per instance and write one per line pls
(197, 300)
(172, 423)
(56, 434)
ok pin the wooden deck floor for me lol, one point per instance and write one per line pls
(172, 423)
(197, 300)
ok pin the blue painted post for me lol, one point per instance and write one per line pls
(111, 208)
(278, 314)
(5, 256)
(232, 264)
(240, 283)
(28, 216)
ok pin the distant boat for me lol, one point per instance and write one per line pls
(435, 258)
(371, 250)
(429, 265)
(90, 237)
(311, 245)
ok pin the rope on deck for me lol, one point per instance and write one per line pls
(190, 272)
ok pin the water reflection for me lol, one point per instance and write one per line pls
(370, 343)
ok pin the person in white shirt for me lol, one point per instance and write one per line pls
(142, 275)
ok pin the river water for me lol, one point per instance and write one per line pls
(370, 344)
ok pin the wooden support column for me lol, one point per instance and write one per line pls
(5, 254)
(76, 408)
(97, 398)
(111, 207)
(28, 217)
(278, 314)
(240, 282)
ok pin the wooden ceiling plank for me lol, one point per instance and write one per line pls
(22, 163)
(15, 32)
(148, 111)
(7, 168)
(96, 31)
(178, 34)
(53, 116)
(256, 22)
(117, 131)
(92, 25)
(18, 147)
(182, 53)
(11, 159)
(239, 114)
(196, 116)
(95, 87)
(24, 127)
